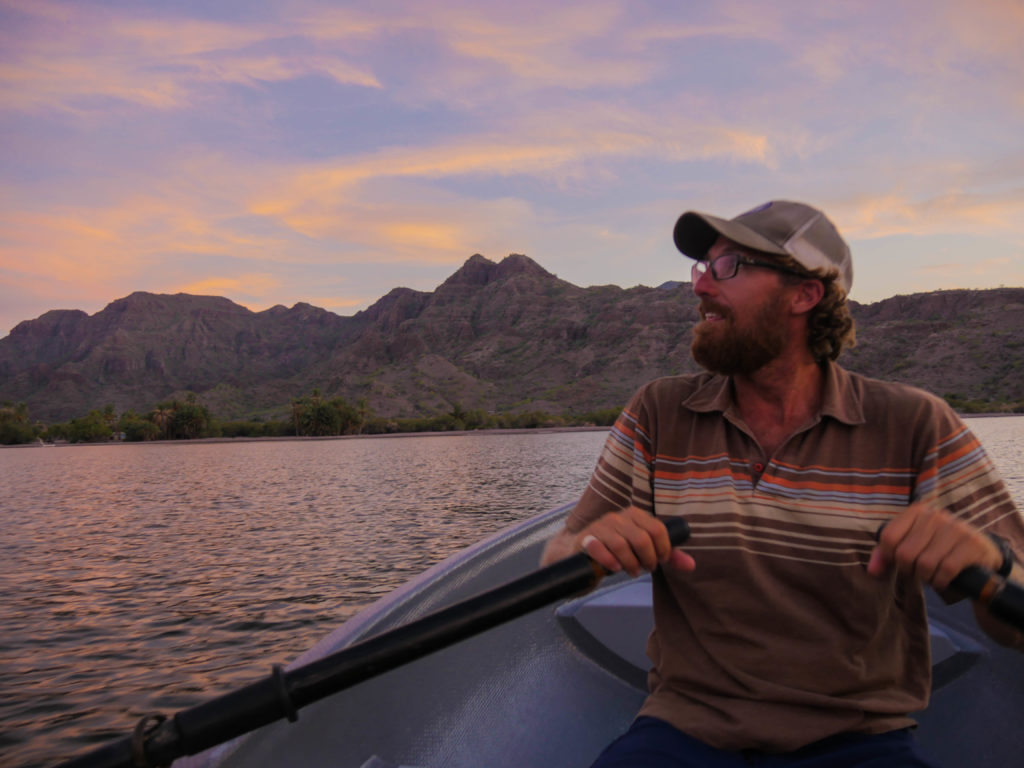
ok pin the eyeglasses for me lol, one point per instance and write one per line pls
(726, 266)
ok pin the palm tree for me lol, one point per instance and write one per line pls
(191, 420)
(162, 418)
(110, 417)
(321, 419)
(363, 412)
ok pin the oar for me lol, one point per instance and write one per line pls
(1002, 598)
(282, 694)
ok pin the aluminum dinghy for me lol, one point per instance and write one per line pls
(552, 688)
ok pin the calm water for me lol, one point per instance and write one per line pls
(145, 578)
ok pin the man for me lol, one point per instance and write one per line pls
(790, 631)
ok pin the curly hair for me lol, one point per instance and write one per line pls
(830, 326)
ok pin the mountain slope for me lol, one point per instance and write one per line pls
(496, 336)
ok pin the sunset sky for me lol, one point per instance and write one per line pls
(307, 150)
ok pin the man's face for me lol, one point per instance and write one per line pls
(742, 326)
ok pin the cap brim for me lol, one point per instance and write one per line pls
(695, 233)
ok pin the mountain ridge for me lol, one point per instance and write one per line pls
(498, 336)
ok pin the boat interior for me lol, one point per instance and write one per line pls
(551, 689)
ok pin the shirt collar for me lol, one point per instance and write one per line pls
(840, 398)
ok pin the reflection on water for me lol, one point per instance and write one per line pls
(146, 578)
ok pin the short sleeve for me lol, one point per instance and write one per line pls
(624, 469)
(956, 474)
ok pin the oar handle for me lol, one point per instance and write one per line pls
(1002, 599)
(282, 694)
(678, 530)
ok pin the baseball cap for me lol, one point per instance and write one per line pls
(780, 227)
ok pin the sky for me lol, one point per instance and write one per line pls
(327, 152)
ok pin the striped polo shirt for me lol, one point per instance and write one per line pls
(780, 637)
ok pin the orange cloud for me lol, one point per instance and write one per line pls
(151, 61)
(116, 236)
(331, 199)
(249, 284)
(432, 236)
(954, 49)
(954, 212)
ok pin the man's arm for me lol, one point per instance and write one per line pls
(629, 539)
(934, 546)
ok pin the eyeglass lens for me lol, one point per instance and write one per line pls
(722, 268)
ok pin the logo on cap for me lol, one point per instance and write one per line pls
(759, 208)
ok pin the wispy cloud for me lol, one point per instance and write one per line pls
(263, 152)
(950, 213)
(149, 60)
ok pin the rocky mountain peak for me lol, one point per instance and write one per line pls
(56, 322)
(479, 270)
(518, 264)
(395, 306)
(142, 301)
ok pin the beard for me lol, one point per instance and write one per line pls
(734, 347)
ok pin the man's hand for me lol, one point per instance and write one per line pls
(932, 545)
(631, 540)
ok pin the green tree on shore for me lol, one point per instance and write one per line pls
(191, 419)
(315, 417)
(161, 417)
(91, 428)
(136, 428)
(363, 412)
(110, 417)
(15, 426)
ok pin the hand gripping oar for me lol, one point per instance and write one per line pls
(158, 741)
(1002, 598)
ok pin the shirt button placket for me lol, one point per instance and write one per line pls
(756, 469)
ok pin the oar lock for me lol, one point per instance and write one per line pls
(284, 694)
(146, 725)
(150, 722)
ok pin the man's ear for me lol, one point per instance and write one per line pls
(807, 295)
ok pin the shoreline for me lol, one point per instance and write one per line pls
(388, 435)
(285, 438)
(995, 414)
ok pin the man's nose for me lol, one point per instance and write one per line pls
(704, 284)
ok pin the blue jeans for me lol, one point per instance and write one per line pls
(653, 743)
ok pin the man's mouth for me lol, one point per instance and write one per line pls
(712, 315)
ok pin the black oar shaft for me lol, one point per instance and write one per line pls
(320, 678)
(280, 695)
(223, 718)
(1002, 599)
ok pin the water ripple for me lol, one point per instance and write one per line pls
(148, 578)
(145, 578)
